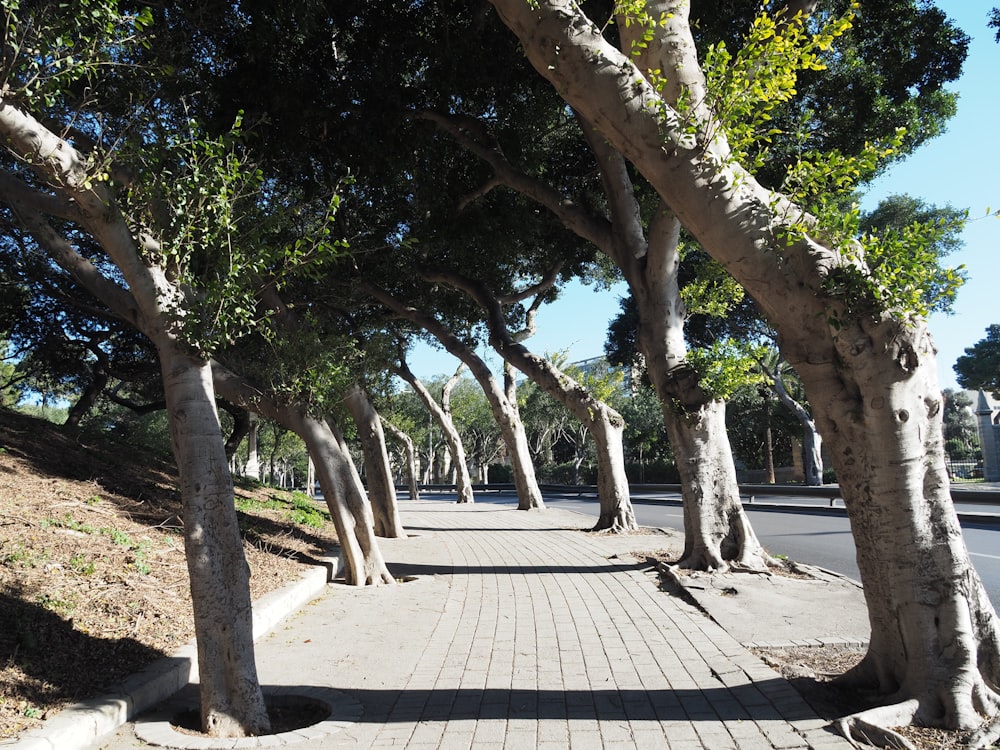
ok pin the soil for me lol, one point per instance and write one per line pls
(285, 716)
(93, 579)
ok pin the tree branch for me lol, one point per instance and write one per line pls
(115, 297)
(475, 138)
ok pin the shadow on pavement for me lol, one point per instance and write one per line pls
(754, 702)
(416, 569)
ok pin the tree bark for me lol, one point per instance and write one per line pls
(381, 489)
(98, 382)
(812, 441)
(241, 427)
(219, 574)
(412, 470)
(934, 631)
(717, 533)
(345, 499)
(869, 373)
(529, 497)
(442, 416)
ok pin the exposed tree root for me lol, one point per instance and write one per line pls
(986, 735)
(703, 561)
(871, 727)
(616, 525)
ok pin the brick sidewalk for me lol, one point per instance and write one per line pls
(522, 632)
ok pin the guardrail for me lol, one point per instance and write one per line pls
(828, 492)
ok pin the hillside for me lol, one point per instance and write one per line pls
(93, 581)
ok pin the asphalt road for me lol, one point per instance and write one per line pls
(807, 535)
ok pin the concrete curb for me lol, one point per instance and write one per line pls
(83, 724)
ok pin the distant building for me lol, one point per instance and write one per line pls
(988, 421)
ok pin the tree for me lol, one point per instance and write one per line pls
(961, 438)
(441, 413)
(812, 441)
(644, 245)
(480, 432)
(8, 395)
(979, 367)
(381, 489)
(342, 489)
(62, 186)
(850, 320)
(410, 455)
(646, 442)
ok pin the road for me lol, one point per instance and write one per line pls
(814, 536)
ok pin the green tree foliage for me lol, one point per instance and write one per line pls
(907, 241)
(647, 449)
(886, 72)
(8, 393)
(961, 438)
(475, 423)
(979, 367)
(752, 411)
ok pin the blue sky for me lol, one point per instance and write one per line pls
(960, 168)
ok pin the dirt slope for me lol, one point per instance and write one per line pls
(93, 582)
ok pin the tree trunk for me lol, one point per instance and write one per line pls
(869, 372)
(812, 454)
(346, 501)
(330, 440)
(442, 416)
(232, 704)
(934, 632)
(768, 441)
(412, 470)
(381, 489)
(716, 530)
(717, 533)
(241, 426)
(98, 382)
(529, 497)
(252, 467)
(812, 441)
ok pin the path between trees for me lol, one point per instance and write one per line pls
(522, 631)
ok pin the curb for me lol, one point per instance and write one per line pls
(81, 725)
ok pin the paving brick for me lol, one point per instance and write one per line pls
(533, 635)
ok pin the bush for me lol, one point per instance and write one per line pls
(563, 473)
(653, 472)
(499, 474)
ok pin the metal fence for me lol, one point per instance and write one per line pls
(964, 471)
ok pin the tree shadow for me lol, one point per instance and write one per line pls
(404, 568)
(767, 700)
(48, 660)
(266, 534)
(491, 529)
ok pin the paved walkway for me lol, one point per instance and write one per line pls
(519, 631)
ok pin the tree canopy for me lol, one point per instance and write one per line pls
(979, 367)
